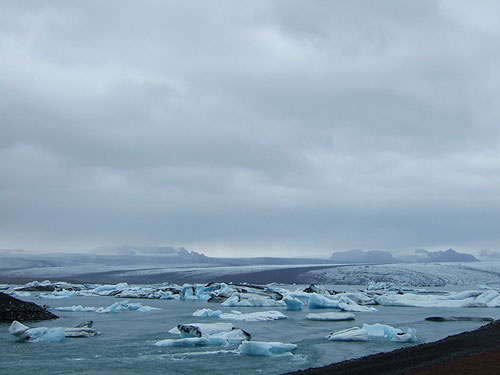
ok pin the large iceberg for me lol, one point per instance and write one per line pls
(114, 308)
(207, 313)
(318, 301)
(375, 331)
(200, 329)
(46, 334)
(233, 337)
(238, 300)
(350, 334)
(265, 348)
(254, 317)
(487, 298)
(293, 304)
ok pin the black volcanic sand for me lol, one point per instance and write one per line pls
(14, 309)
(475, 352)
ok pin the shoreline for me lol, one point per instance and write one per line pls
(470, 352)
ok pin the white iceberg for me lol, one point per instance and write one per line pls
(424, 300)
(207, 313)
(200, 329)
(348, 304)
(22, 294)
(45, 334)
(254, 317)
(58, 294)
(375, 331)
(318, 301)
(293, 304)
(113, 309)
(237, 300)
(350, 334)
(265, 348)
(234, 337)
(75, 308)
(331, 316)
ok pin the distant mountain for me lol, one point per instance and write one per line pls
(128, 250)
(449, 255)
(360, 256)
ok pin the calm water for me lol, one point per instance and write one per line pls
(127, 344)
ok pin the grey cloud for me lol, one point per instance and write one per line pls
(307, 127)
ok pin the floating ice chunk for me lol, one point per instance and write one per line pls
(331, 316)
(293, 304)
(464, 294)
(39, 334)
(486, 297)
(200, 329)
(104, 288)
(374, 332)
(409, 336)
(265, 348)
(381, 331)
(233, 337)
(187, 292)
(114, 308)
(236, 300)
(167, 295)
(300, 295)
(140, 307)
(348, 304)
(58, 294)
(188, 341)
(255, 316)
(22, 294)
(207, 313)
(423, 300)
(45, 334)
(350, 334)
(75, 308)
(17, 328)
(495, 302)
(318, 301)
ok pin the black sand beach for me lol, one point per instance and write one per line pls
(14, 309)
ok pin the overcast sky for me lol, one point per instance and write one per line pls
(250, 128)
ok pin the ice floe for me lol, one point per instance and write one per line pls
(112, 309)
(233, 337)
(293, 304)
(46, 334)
(375, 331)
(261, 348)
(240, 300)
(200, 329)
(207, 313)
(331, 316)
(488, 298)
(338, 301)
(254, 316)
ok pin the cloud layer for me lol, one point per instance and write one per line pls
(285, 128)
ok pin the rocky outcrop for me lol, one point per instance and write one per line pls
(14, 309)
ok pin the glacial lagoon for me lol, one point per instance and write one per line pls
(127, 344)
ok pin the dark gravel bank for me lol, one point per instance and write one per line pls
(474, 351)
(14, 309)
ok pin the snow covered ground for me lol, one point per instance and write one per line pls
(412, 274)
